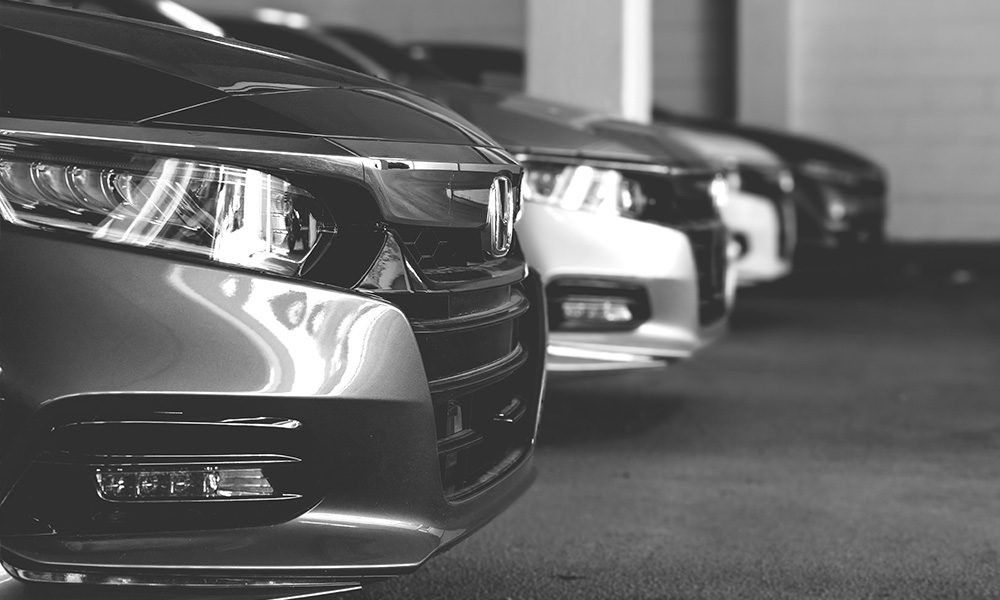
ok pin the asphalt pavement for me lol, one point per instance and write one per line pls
(842, 442)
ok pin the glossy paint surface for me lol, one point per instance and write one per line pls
(757, 221)
(344, 365)
(575, 244)
(92, 332)
(262, 336)
(148, 72)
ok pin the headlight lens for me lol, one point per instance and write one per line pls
(584, 188)
(229, 214)
(828, 172)
(719, 190)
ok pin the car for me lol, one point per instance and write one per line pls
(266, 323)
(623, 228)
(761, 212)
(840, 195)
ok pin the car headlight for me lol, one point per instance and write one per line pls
(828, 172)
(229, 214)
(584, 188)
(720, 190)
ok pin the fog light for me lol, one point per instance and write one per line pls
(597, 309)
(118, 484)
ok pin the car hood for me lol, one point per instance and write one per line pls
(75, 65)
(793, 148)
(525, 124)
(724, 149)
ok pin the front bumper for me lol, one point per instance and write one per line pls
(861, 221)
(563, 244)
(123, 343)
(766, 237)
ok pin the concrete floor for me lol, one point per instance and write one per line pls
(843, 442)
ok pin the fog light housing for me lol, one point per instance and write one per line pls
(181, 483)
(594, 304)
(596, 309)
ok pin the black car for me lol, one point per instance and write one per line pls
(265, 322)
(841, 195)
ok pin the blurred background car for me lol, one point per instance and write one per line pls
(760, 211)
(623, 226)
(840, 196)
(266, 322)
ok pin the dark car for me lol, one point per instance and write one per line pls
(841, 195)
(645, 281)
(265, 322)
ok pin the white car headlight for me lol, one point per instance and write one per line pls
(720, 191)
(584, 188)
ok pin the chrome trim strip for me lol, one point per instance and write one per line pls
(370, 570)
(618, 165)
(81, 576)
(603, 360)
(173, 460)
(336, 161)
(276, 424)
(516, 307)
(341, 161)
(390, 163)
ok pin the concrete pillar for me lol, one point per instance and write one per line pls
(592, 53)
(764, 51)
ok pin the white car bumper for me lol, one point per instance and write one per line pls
(563, 244)
(755, 221)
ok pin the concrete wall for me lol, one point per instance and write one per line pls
(916, 83)
(691, 63)
(592, 53)
(913, 83)
(693, 52)
(499, 22)
(764, 48)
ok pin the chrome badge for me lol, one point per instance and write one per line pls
(500, 216)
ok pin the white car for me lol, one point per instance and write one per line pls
(622, 293)
(760, 211)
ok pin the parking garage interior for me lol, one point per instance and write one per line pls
(839, 441)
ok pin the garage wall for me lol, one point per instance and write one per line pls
(693, 51)
(916, 84)
(691, 58)
(499, 22)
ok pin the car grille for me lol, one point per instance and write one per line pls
(787, 232)
(766, 183)
(438, 247)
(482, 346)
(683, 202)
(708, 245)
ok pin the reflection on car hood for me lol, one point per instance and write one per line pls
(792, 148)
(799, 148)
(525, 124)
(725, 149)
(81, 66)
